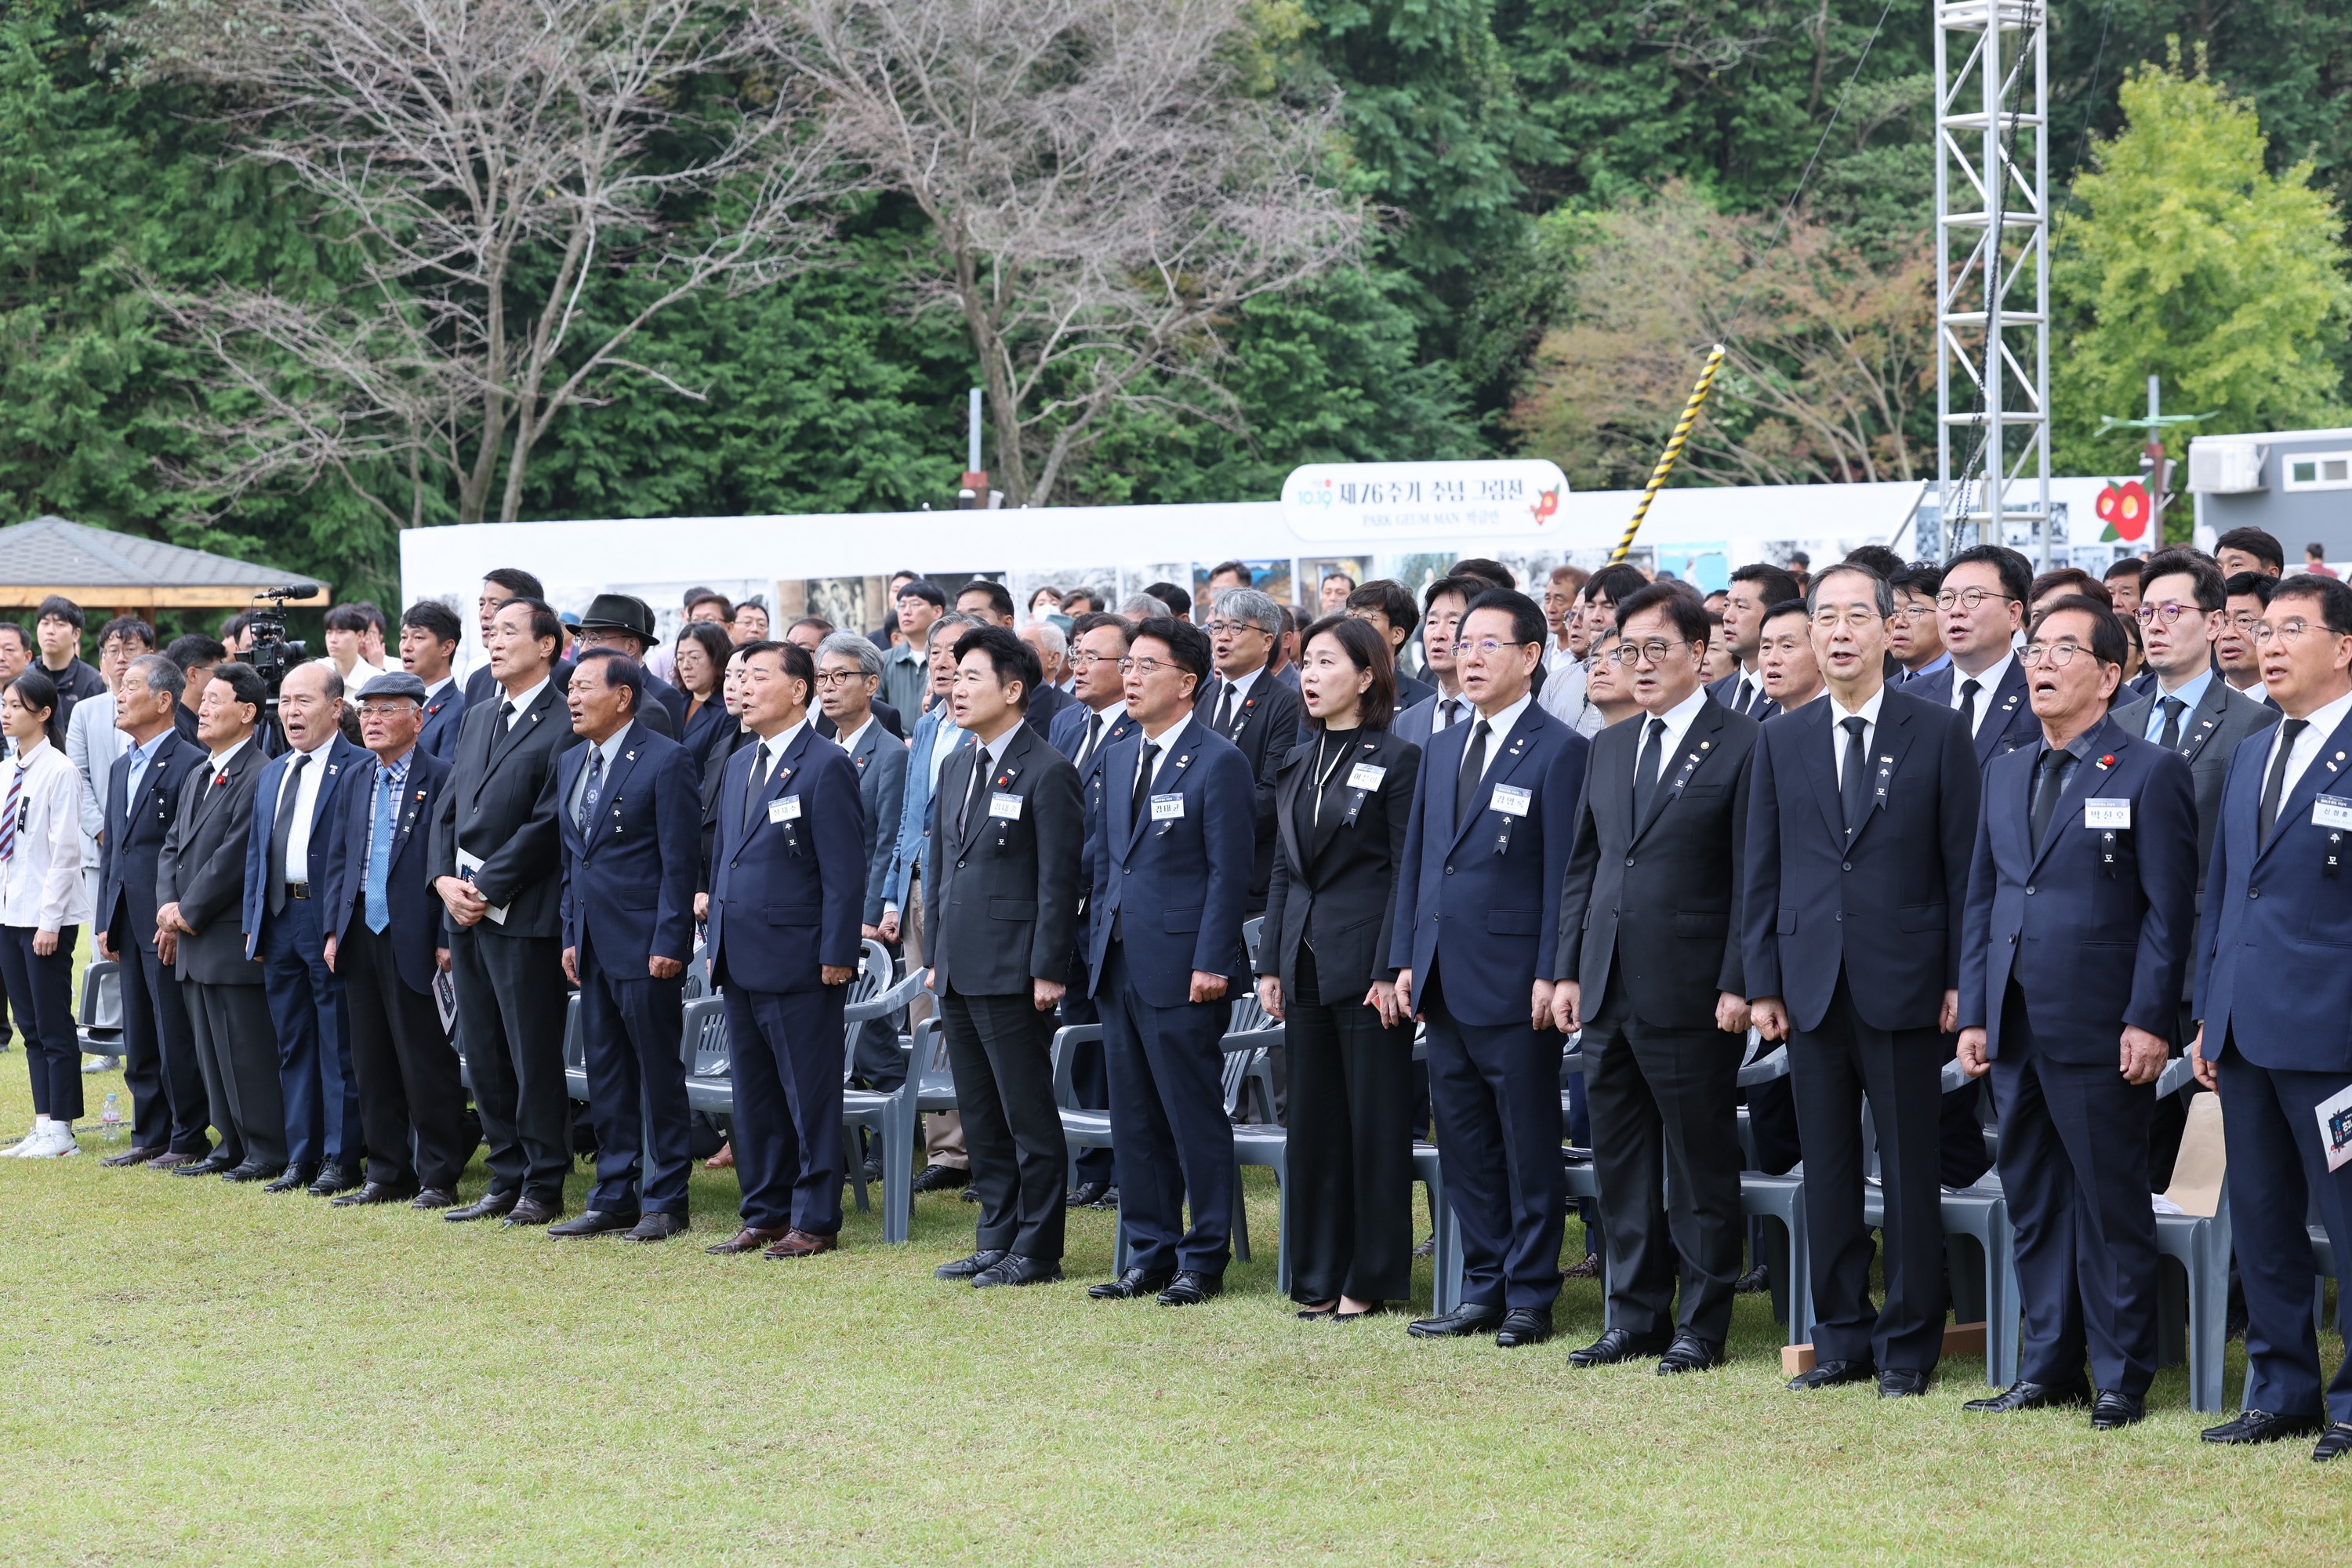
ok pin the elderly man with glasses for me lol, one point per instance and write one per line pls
(1258, 715)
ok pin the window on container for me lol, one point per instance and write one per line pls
(2318, 471)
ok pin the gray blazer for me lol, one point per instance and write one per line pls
(1418, 722)
(201, 868)
(881, 762)
(2209, 733)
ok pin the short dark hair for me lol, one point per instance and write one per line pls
(1686, 613)
(2072, 577)
(1095, 619)
(1528, 623)
(2206, 585)
(189, 652)
(35, 689)
(2254, 542)
(61, 608)
(2315, 550)
(245, 684)
(517, 582)
(922, 588)
(1349, 577)
(999, 597)
(544, 621)
(2335, 599)
(1800, 560)
(347, 618)
(1882, 592)
(713, 597)
(825, 627)
(1779, 607)
(1494, 572)
(1923, 577)
(24, 637)
(435, 619)
(1012, 659)
(620, 670)
(1239, 568)
(1878, 558)
(1463, 588)
(1614, 582)
(2126, 565)
(1773, 585)
(234, 627)
(1389, 596)
(2259, 585)
(129, 626)
(1187, 644)
(2015, 571)
(706, 636)
(1367, 650)
(2108, 644)
(1178, 598)
(797, 661)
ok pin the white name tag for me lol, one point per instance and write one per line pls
(1007, 806)
(1167, 807)
(787, 809)
(2108, 813)
(1512, 801)
(1366, 776)
(2331, 811)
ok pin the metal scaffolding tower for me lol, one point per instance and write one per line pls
(1993, 269)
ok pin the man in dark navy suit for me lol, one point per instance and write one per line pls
(787, 885)
(1475, 944)
(384, 942)
(631, 822)
(1982, 605)
(1862, 814)
(429, 635)
(168, 1108)
(2273, 993)
(2081, 905)
(1171, 849)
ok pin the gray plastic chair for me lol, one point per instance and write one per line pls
(703, 1045)
(1779, 1199)
(1256, 1143)
(575, 1051)
(2200, 1292)
(99, 1025)
(890, 1117)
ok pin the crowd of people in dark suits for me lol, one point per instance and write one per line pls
(1888, 816)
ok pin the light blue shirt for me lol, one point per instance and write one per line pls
(2192, 693)
(139, 757)
(1941, 662)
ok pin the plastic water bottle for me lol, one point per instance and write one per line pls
(111, 1118)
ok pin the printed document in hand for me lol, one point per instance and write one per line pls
(2336, 1128)
(466, 866)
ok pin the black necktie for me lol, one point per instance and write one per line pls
(2173, 707)
(2049, 784)
(2275, 785)
(1226, 710)
(1142, 803)
(1645, 771)
(505, 715)
(1473, 770)
(1453, 710)
(972, 797)
(281, 833)
(1749, 692)
(1094, 734)
(1853, 779)
(753, 785)
(1969, 689)
(589, 792)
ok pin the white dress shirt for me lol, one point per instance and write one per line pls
(1098, 724)
(1679, 720)
(220, 760)
(522, 703)
(1987, 684)
(1499, 728)
(1440, 719)
(304, 779)
(611, 746)
(2307, 745)
(777, 746)
(1166, 743)
(1867, 713)
(41, 884)
(849, 742)
(1749, 693)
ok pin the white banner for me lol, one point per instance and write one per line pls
(1356, 502)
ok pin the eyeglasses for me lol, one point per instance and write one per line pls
(1854, 618)
(2245, 620)
(1147, 667)
(2288, 635)
(1488, 647)
(1655, 650)
(1914, 613)
(1970, 598)
(1219, 629)
(2056, 655)
(2170, 612)
(840, 676)
(1089, 660)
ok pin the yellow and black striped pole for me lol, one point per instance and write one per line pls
(1673, 450)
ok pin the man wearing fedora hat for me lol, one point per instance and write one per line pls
(624, 624)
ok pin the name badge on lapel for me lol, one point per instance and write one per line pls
(2331, 811)
(1512, 801)
(2106, 812)
(1167, 807)
(1007, 806)
(1365, 776)
(787, 809)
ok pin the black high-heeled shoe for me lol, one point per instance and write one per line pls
(1316, 1314)
(1377, 1310)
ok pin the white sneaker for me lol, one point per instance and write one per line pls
(60, 1143)
(23, 1146)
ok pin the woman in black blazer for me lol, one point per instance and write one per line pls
(1342, 800)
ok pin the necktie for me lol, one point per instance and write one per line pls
(506, 714)
(1645, 770)
(2049, 784)
(1141, 807)
(753, 785)
(1094, 735)
(1747, 689)
(1226, 710)
(1969, 689)
(379, 865)
(595, 787)
(1853, 778)
(1473, 770)
(8, 815)
(2272, 787)
(1451, 709)
(281, 832)
(2173, 707)
(972, 797)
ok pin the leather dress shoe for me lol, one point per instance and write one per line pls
(1086, 1195)
(334, 1178)
(291, 1178)
(2023, 1395)
(659, 1225)
(492, 1205)
(2334, 1443)
(1832, 1374)
(939, 1178)
(1585, 1268)
(2261, 1427)
(751, 1238)
(589, 1222)
(1901, 1382)
(1190, 1287)
(172, 1160)
(252, 1170)
(1128, 1286)
(532, 1211)
(965, 1267)
(800, 1244)
(1524, 1326)
(2115, 1410)
(370, 1192)
(1464, 1320)
(1015, 1269)
(433, 1198)
(137, 1154)
(211, 1164)
(1689, 1353)
(1754, 1282)
(1619, 1344)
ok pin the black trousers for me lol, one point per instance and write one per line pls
(168, 1108)
(236, 1044)
(1000, 1048)
(1350, 1155)
(630, 1030)
(410, 1093)
(1495, 1089)
(1834, 1067)
(1175, 1143)
(510, 1001)
(1665, 1145)
(40, 993)
(1089, 1078)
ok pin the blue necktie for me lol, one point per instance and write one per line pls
(379, 868)
(595, 784)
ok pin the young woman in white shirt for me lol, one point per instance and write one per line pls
(44, 902)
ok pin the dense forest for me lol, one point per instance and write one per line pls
(1558, 204)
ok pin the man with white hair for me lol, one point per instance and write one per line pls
(1258, 715)
(1052, 650)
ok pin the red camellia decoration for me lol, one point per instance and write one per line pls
(2125, 509)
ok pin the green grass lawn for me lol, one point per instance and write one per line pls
(200, 1373)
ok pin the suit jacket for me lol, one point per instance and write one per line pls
(1334, 889)
(1410, 693)
(1656, 902)
(628, 872)
(418, 917)
(1049, 703)
(2095, 928)
(501, 805)
(135, 831)
(915, 802)
(1481, 903)
(884, 715)
(482, 687)
(723, 745)
(1264, 728)
(2008, 722)
(1000, 893)
(1724, 691)
(791, 879)
(881, 763)
(201, 868)
(337, 757)
(2210, 737)
(2272, 976)
(1173, 886)
(1069, 738)
(444, 711)
(1903, 876)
